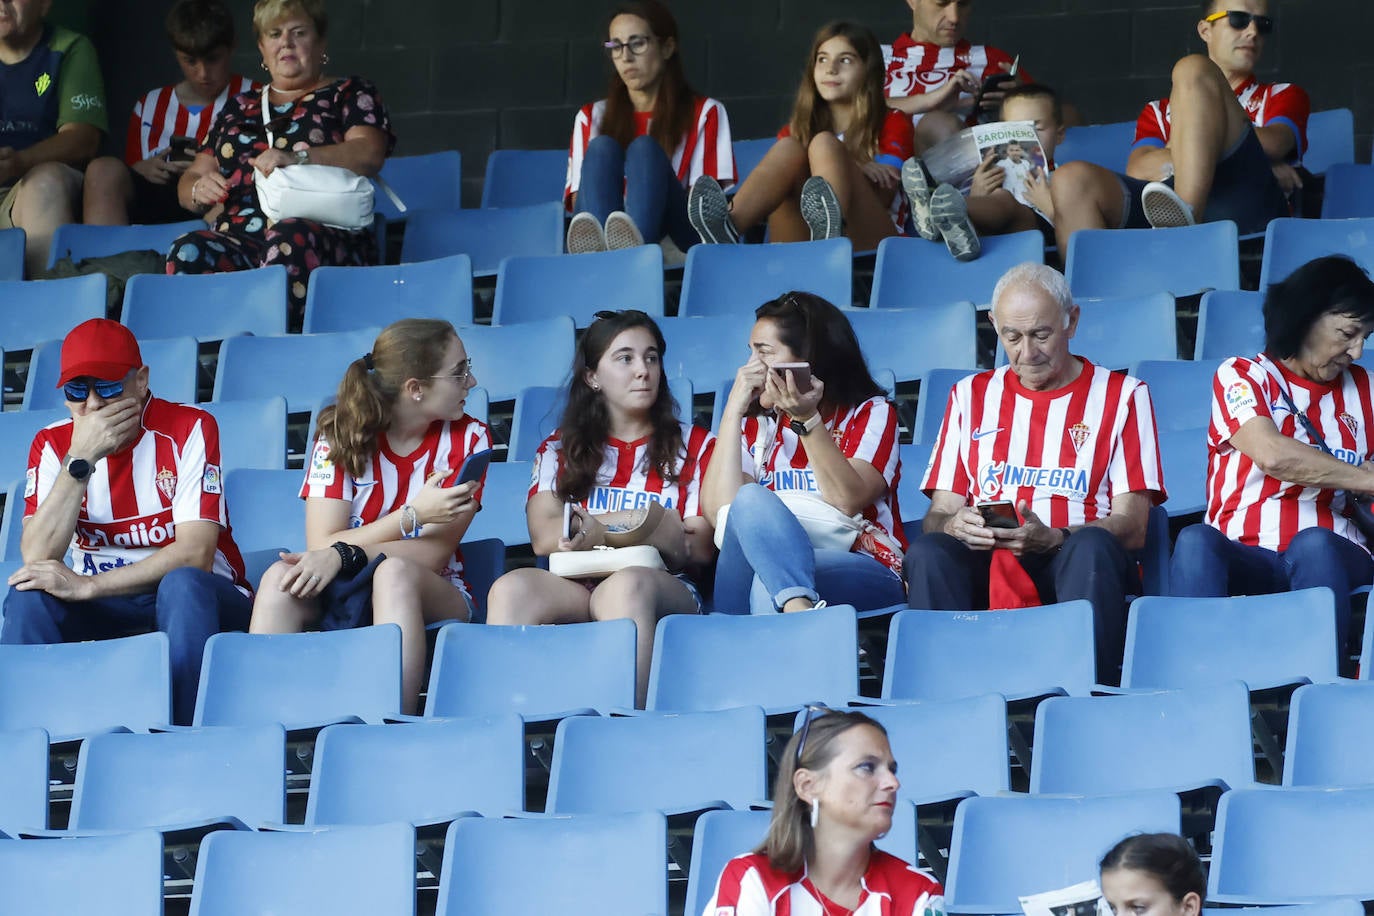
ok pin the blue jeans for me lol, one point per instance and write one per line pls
(639, 180)
(190, 606)
(1208, 564)
(766, 559)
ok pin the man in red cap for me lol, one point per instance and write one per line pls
(132, 487)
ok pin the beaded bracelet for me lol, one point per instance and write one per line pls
(352, 557)
(408, 517)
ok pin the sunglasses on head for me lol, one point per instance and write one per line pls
(811, 713)
(79, 390)
(1240, 20)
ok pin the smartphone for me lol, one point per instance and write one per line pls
(999, 514)
(474, 466)
(997, 80)
(183, 149)
(567, 521)
(801, 374)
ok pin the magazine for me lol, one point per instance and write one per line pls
(1082, 899)
(1015, 146)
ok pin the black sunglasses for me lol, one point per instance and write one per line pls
(812, 711)
(78, 390)
(1240, 20)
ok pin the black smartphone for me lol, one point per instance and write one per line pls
(474, 466)
(999, 514)
(183, 149)
(801, 374)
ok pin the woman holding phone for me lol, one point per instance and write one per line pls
(383, 511)
(824, 439)
(618, 448)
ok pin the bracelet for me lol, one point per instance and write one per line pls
(408, 517)
(352, 557)
(195, 184)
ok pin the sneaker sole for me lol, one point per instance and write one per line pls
(585, 236)
(708, 211)
(917, 191)
(621, 232)
(821, 209)
(950, 215)
(1163, 209)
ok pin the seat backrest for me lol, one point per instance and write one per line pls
(914, 273)
(343, 870)
(17, 429)
(686, 762)
(252, 434)
(1173, 739)
(708, 349)
(932, 402)
(946, 747)
(531, 288)
(39, 310)
(1183, 455)
(1290, 243)
(303, 368)
(265, 508)
(1180, 390)
(24, 775)
(1229, 323)
(574, 866)
(910, 499)
(718, 837)
(1330, 736)
(1123, 330)
(910, 342)
(118, 875)
(74, 689)
(480, 671)
(12, 253)
(126, 782)
(1263, 640)
(172, 364)
(519, 177)
(776, 661)
(301, 679)
(1107, 145)
(486, 236)
(748, 154)
(1132, 262)
(504, 494)
(507, 360)
(736, 279)
(12, 530)
(934, 655)
(79, 241)
(1010, 845)
(348, 298)
(207, 306)
(424, 771)
(484, 561)
(538, 409)
(1349, 191)
(1330, 140)
(426, 181)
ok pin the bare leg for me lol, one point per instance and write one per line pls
(108, 193)
(1086, 196)
(999, 213)
(936, 127)
(1206, 122)
(410, 595)
(528, 597)
(276, 611)
(47, 198)
(771, 191)
(866, 218)
(642, 595)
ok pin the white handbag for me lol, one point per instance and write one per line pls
(600, 562)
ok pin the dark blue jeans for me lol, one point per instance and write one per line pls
(190, 606)
(639, 180)
(1208, 564)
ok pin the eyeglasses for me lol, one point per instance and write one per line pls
(80, 391)
(811, 712)
(637, 44)
(1240, 20)
(461, 373)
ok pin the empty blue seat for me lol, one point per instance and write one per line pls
(79, 241)
(12, 253)
(303, 368)
(1116, 332)
(484, 561)
(172, 371)
(1330, 139)
(1292, 845)
(910, 499)
(507, 360)
(504, 495)
(520, 177)
(933, 400)
(1229, 323)
(748, 154)
(23, 780)
(1183, 455)
(348, 298)
(252, 434)
(682, 763)
(531, 288)
(914, 273)
(718, 837)
(301, 680)
(12, 531)
(423, 182)
(345, 871)
(1290, 243)
(265, 508)
(1349, 191)
(17, 429)
(736, 279)
(708, 349)
(778, 661)
(910, 342)
(39, 310)
(487, 236)
(1330, 735)
(575, 866)
(119, 875)
(1181, 391)
(1132, 262)
(206, 306)
(537, 412)
(1008, 846)
(1107, 145)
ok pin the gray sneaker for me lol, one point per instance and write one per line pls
(949, 211)
(917, 188)
(708, 210)
(621, 232)
(1163, 207)
(585, 235)
(821, 209)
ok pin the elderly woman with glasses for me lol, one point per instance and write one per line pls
(835, 794)
(635, 152)
(383, 511)
(620, 456)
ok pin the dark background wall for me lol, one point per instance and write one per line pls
(480, 74)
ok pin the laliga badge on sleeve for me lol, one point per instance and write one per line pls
(210, 482)
(1240, 396)
(30, 482)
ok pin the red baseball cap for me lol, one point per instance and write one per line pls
(101, 349)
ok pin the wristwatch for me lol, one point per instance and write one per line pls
(79, 468)
(302, 156)
(802, 427)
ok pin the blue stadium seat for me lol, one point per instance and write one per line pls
(1264, 640)
(172, 371)
(206, 306)
(1125, 329)
(778, 661)
(431, 181)
(119, 875)
(507, 360)
(301, 680)
(688, 762)
(575, 866)
(708, 349)
(718, 837)
(539, 408)
(79, 241)
(521, 177)
(910, 342)
(531, 288)
(1330, 139)
(748, 154)
(486, 236)
(12, 254)
(1031, 652)
(913, 503)
(255, 562)
(1180, 389)
(76, 689)
(1107, 145)
(303, 368)
(265, 508)
(584, 668)
(1008, 846)
(1349, 192)
(347, 871)
(348, 298)
(1330, 730)
(17, 429)
(39, 310)
(1183, 455)
(1290, 243)
(736, 279)
(1292, 845)
(1133, 262)
(484, 561)
(504, 495)
(934, 398)
(252, 434)
(914, 273)
(1229, 323)
(12, 530)
(24, 778)
(1346, 906)
(1174, 739)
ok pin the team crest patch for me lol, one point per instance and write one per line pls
(1240, 396)
(167, 483)
(30, 482)
(321, 468)
(210, 482)
(1078, 435)
(42, 84)
(1351, 424)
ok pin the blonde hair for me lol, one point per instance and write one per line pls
(267, 13)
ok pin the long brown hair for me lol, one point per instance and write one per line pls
(409, 348)
(676, 100)
(811, 114)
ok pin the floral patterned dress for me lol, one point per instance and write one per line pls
(243, 236)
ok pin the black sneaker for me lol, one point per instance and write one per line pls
(949, 211)
(821, 209)
(917, 188)
(708, 210)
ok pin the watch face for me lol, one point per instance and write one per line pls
(79, 468)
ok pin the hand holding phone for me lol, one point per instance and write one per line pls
(999, 514)
(474, 466)
(183, 149)
(801, 374)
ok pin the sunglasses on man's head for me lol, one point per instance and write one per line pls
(79, 390)
(1240, 20)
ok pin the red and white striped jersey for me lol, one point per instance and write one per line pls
(624, 480)
(1067, 452)
(1265, 103)
(159, 116)
(917, 67)
(867, 431)
(704, 150)
(136, 497)
(1248, 505)
(393, 480)
(750, 886)
(896, 144)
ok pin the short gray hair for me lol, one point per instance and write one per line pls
(1033, 273)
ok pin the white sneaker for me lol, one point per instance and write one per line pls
(949, 212)
(621, 232)
(821, 209)
(917, 188)
(1163, 207)
(585, 235)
